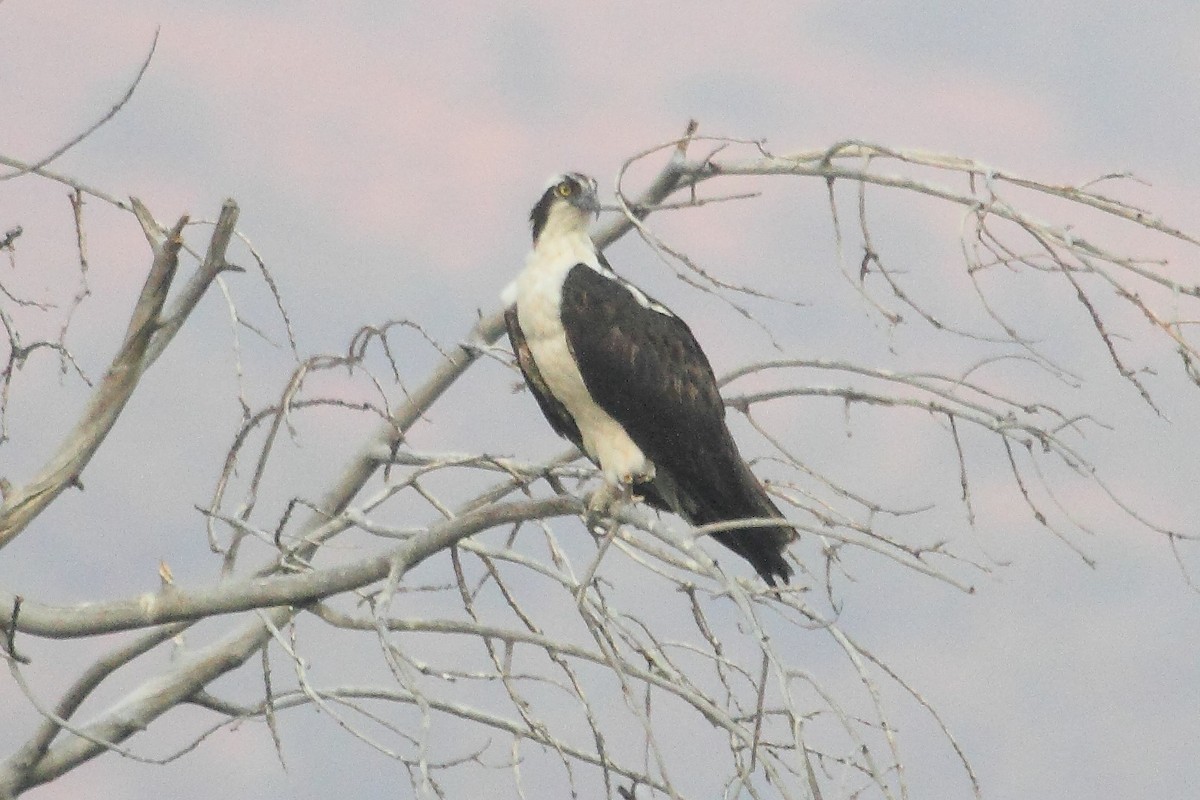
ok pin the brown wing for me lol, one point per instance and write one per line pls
(643, 366)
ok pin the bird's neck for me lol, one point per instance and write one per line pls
(567, 248)
(566, 226)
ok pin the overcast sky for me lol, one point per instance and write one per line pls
(385, 156)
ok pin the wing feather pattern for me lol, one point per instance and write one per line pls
(644, 367)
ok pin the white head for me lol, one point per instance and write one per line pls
(569, 203)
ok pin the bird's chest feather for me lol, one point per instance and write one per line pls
(539, 308)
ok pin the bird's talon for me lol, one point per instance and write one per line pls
(605, 501)
(598, 507)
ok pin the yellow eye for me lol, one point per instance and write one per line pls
(564, 189)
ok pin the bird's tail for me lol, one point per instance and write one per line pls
(741, 496)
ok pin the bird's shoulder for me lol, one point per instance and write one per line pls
(632, 349)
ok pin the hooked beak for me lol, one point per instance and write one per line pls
(589, 203)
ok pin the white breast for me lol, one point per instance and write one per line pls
(538, 296)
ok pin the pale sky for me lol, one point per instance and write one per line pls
(385, 156)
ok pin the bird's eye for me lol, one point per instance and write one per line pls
(564, 189)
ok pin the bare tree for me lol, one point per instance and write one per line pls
(529, 658)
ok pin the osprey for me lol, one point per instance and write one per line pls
(622, 377)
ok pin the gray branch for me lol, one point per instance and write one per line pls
(147, 336)
(173, 604)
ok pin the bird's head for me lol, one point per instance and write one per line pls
(568, 204)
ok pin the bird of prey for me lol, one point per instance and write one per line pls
(621, 376)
